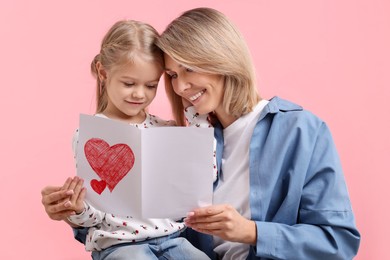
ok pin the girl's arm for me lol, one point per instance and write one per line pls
(88, 217)
(84, 214)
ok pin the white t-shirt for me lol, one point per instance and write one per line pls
(233, 186)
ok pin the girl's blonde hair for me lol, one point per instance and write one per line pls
(204, 40)
(120, 45)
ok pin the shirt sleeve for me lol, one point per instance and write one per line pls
(88, 218)
(194, 119)
(75, 141)
(325, 227)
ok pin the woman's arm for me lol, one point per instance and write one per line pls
(324, 229)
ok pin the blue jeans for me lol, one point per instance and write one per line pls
(169, 247)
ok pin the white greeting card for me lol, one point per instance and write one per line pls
(158, 172)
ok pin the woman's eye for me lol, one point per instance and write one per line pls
(171, 75)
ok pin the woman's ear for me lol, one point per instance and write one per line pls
(101, 71)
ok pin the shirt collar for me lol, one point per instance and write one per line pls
(276, 104)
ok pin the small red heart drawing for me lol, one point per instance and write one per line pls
(98, 186)
(111, 163)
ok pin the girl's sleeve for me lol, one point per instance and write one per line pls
(75, 141)
(194, 119)
(88, 218)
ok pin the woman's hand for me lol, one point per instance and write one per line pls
(223, 221)
(61, 202)
(77, 198)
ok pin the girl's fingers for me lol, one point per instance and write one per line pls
(77, 189)
(79, 203)
(69, 185)
(82, 194)
(73, 183)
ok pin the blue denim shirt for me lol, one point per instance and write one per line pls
(298, 196)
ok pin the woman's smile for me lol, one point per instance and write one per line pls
(196, 96)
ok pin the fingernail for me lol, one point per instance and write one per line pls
(67, 204)
(69, 192)
(190, 214)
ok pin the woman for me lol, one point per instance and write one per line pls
(281, 193)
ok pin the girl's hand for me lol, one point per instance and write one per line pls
(223, 221)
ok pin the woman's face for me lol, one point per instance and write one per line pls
(203, 91)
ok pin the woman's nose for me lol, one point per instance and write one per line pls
(181, 86)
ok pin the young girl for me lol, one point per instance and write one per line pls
(128, 69)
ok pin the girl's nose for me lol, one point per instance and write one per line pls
(139, 92)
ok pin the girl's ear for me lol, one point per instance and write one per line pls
(101, 71)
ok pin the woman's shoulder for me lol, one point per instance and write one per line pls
(290, 112)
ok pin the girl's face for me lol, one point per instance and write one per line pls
(203, 91)
(131, 89)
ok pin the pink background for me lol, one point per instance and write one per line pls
(332, 57)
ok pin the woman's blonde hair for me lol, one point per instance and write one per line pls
(204, 40)
(124, 40)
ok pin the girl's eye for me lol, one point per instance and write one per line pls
(128, 84)
(152, 86)
(189, 70)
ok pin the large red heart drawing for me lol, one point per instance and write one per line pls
(111, 163)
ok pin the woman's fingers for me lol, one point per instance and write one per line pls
(67, 183)
(53, 194)
(223, 221)
(61, 215)
(206, 214)
(55, 210)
